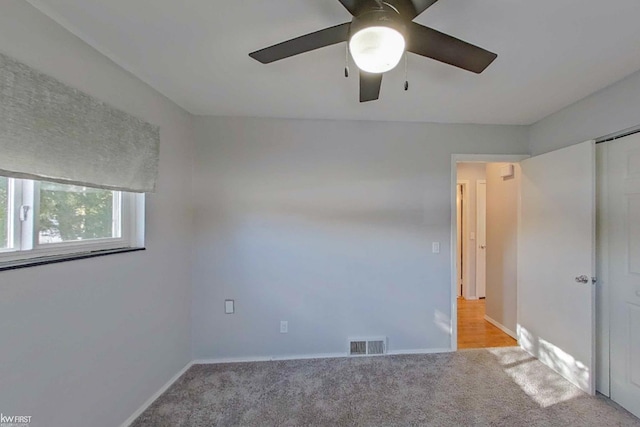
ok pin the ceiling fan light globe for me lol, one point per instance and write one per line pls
(377, 49)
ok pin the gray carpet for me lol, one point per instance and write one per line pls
(489, 387)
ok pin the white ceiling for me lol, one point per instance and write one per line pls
(550, 54)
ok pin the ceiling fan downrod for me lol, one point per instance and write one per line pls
(346, 62)
(406, 73)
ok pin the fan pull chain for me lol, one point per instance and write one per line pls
(406, 72)
(346, 62)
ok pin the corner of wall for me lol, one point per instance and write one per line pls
(601, 113)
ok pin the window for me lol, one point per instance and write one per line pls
(46, 220)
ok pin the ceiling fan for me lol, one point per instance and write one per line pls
(378, 35)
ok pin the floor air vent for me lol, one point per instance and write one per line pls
(367, 346)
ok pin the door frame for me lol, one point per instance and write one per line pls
(478, 184)
(455, 159)
(603, 299)
(465, 183)
(459, 260)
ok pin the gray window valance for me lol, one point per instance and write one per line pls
(53, 132)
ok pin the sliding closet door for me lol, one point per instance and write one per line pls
(622, 195)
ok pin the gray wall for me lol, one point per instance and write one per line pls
(502, 245)
(610, 110)
(327, 225)
(87, 342)
(472, 172)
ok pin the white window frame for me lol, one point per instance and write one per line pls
(24, 235)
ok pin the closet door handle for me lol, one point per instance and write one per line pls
(582, 279)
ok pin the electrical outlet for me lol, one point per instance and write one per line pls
(229, 306)
(435, 247)
(284, 327)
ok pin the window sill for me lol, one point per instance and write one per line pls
(53, 259)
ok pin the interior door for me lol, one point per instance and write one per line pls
(556, 262)
(623, 222)
(481, 239)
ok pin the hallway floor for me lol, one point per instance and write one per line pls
(474, 331)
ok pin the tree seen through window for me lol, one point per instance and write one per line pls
(71, 213)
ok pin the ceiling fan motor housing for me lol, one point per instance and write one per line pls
(378, 18)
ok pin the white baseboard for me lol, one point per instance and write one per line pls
(156, 395)
(420, 351)
(267, 358)
(501, 327)
(311, 356)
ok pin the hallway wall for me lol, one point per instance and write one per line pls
(502, 242)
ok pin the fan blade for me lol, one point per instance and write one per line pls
(356, 7)
(421, 5)
(450, 50)
(306, 43)
(409, 9)
(369, 86)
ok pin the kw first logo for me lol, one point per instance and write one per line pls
(14, 420)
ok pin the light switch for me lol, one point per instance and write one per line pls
(229, 306)
(435, 247)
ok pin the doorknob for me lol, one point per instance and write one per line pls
(483, 247)
(582, 279)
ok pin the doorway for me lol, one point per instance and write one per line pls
(558, 227)
(486, 210)
(556, 208)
